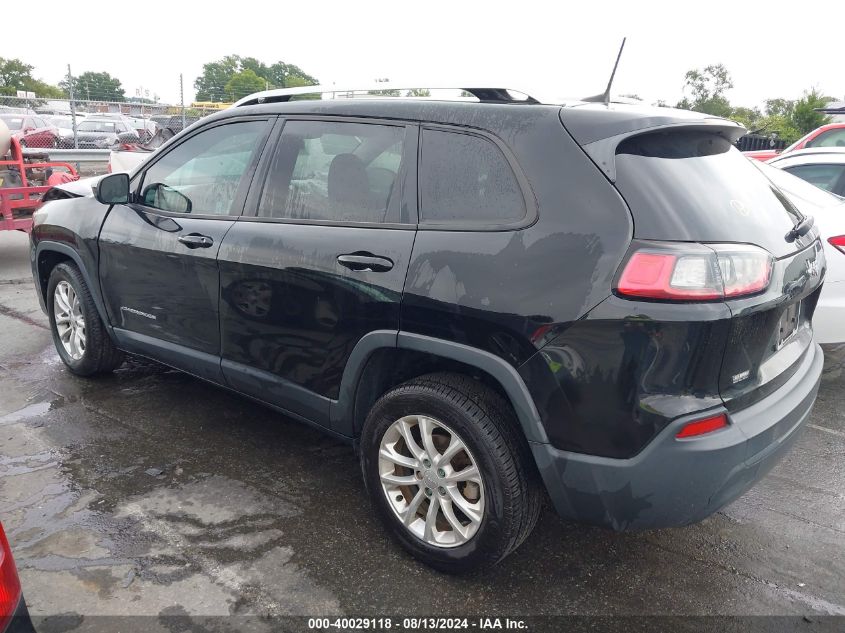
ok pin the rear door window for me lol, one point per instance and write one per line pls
(696, 186)
(336, 172)
(466, 179)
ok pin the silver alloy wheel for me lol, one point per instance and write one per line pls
(70, 324)
(431, 481)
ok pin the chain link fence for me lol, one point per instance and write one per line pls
(93, 124)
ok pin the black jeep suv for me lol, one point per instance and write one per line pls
(486, 298)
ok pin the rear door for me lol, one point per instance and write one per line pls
(321, 261)
(158, 268)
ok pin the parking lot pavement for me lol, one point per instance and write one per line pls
(150, 492)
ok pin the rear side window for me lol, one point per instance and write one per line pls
(831, 138)
(334, 171)
(696, 186)
(825, 177)
(466, 179)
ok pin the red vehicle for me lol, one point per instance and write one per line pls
(32, 130)
(830, 135)
(14, 617)
(23, 181)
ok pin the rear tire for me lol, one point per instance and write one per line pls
(78, 332)
(506, 491)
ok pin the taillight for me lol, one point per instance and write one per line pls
(838, 242)
(695, 272)
(702, 427)
(10, 586)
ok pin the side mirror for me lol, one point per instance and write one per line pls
(113, 189)
(161, 196)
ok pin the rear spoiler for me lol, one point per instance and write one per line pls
(599, 130)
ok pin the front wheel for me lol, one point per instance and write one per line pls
(448, 472)
(78, 333)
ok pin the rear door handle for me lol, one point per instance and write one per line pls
(195, 240)
(365, 262)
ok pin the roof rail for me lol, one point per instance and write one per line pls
(484, 95)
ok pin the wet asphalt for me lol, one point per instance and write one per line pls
(149, 492)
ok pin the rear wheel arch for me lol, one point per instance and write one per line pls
(382, 360)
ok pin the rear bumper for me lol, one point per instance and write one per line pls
(675, 482)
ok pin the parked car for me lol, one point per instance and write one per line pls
(828, 212)
(31, 130)
(14, 616)
(145, 128)
(64, 126)
(830, 135)
(100, 133)
(485, 298)
(128, 156)
(823, 167)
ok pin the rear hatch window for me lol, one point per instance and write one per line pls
(696, 186)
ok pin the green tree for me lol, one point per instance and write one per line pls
(748, 117)
(779, 107)
(16, 75)
(282, 75)
(211, 85)
(778, 125)
(95, 86)
(244, 83)
(707, 88)
(804, 116)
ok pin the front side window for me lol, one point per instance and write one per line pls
(202, 175)
(341, 172)
(465, 178)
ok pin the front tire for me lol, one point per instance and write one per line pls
(78, 333)
(448, 472)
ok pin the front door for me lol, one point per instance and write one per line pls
(158, 254)
(321, 263)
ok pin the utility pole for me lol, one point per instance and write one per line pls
(72, 107)
(182, 100)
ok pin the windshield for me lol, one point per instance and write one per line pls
(12, 122)
(696, 186)
(96, 126)
(61, 123)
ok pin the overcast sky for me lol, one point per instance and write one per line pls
(551, 47)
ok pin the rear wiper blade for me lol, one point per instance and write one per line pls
(801, 228)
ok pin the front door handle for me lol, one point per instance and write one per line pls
(365, 262)
(195, 240)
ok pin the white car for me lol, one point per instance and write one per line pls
(828, 211)
(823, 167)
